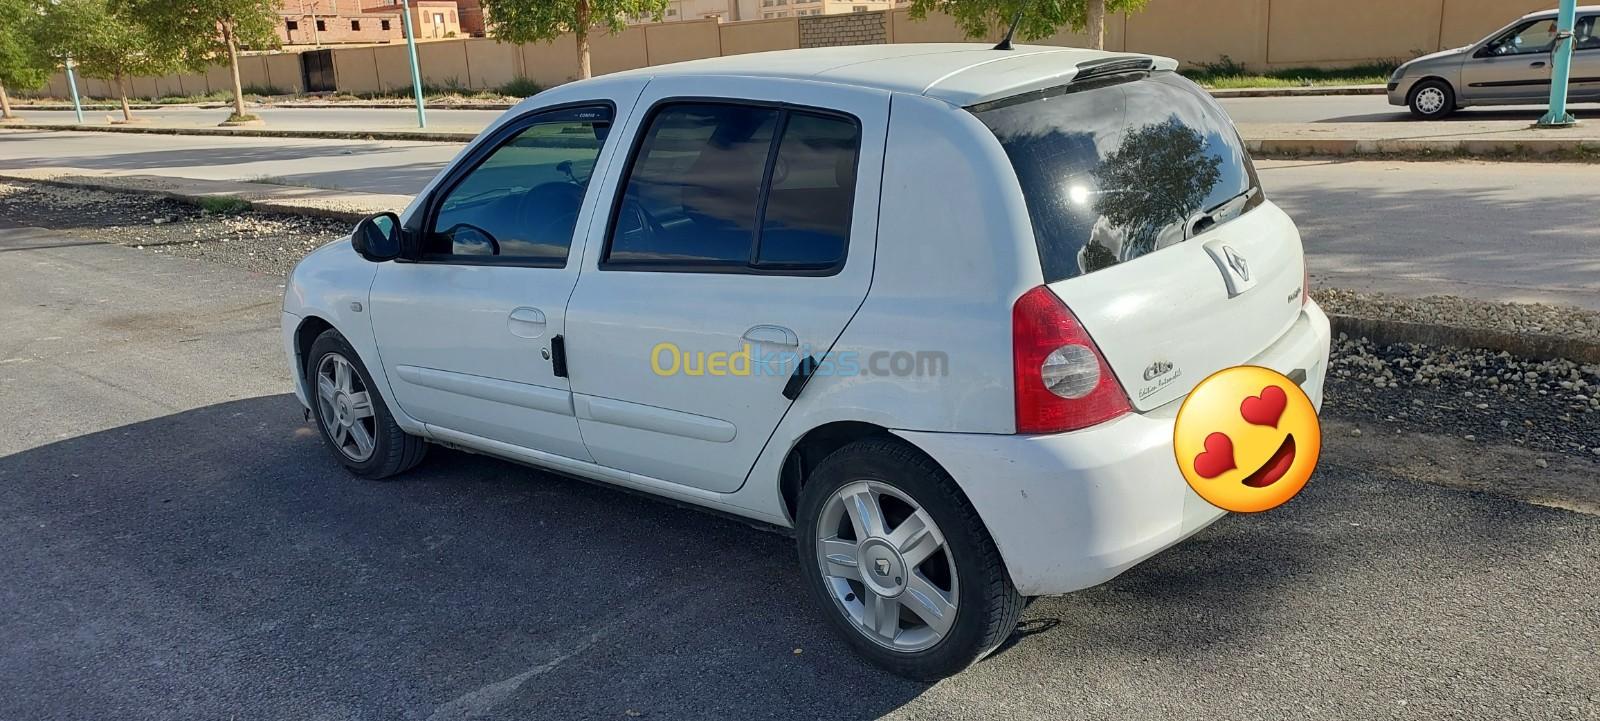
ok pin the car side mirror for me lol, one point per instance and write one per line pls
(377, 237)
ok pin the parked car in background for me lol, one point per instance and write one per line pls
(1511, 66)
(934, 307)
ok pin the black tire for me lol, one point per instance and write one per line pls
(987, 607)
(1425, 93)
(394, 451)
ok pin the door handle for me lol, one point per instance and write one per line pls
(1536, 64)
(773, 335)
(526, 322)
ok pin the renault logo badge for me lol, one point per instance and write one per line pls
(1237, 262)
(881, 566)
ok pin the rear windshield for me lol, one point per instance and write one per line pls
(1122, 167)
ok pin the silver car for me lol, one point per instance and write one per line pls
(1510, 66)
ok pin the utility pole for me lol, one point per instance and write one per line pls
(416, 73)
(1560, 67)
(72, 84)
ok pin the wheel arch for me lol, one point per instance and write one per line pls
(817, 443)
(305, 334)
(1455, 93)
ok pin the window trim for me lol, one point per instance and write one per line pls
(749, 267)
(428, 213)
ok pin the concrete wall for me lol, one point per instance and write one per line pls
(821, 31)
(1465, 21)
(491, 64)
(760, 36)
(677, 42)
(1259, 34)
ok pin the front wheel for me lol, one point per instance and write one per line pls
(353, 418)
(900, 563)
(1432, 99)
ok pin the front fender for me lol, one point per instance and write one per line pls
(332, 284)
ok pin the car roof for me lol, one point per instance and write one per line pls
(1541, 14)
(959, 73)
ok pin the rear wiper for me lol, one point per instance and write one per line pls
(1220, 213)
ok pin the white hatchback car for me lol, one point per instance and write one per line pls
(932, 306)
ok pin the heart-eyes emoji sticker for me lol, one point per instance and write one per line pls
(1247, 439)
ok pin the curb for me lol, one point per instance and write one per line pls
(1543, 149)
(416, 135)
(1540, 149)
(1308, 91)
(1527, 345)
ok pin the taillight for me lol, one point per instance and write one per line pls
(1062, 381)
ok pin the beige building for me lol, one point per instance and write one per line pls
(430, 19)
(333, 22)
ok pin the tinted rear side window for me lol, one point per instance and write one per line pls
(732, 188)
(1117, 169)
(692, 196)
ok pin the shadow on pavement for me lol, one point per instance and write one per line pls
(216, 563)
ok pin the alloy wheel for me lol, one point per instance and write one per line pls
(345, 408)
(886, 565)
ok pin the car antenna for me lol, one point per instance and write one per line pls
(1005, 42)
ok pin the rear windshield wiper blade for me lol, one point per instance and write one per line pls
(1220, 213)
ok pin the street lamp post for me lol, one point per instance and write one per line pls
(416, 73)
(1560, 67)
(72, 85)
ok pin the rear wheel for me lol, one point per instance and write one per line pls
(900, 563)
(1432, 99)
(355, 422)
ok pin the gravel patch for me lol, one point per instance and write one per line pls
(1477, 395)
(1537, 318)
(262, 242)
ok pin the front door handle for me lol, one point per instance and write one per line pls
(1536, 64)
(772, 335)
(526, 322)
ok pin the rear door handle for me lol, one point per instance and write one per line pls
(772, 335)
(526, 322)
(1536, 64)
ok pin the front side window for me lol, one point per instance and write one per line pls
(521, 203)
(1583, 32)
(1536, 37)
(738, 187)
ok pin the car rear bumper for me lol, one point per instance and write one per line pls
(1072, 510)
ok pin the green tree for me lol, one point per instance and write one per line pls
(201, 33)
(528, 21)
(1040, 18)
(23, 63)
(1158, 176)
(103, 41)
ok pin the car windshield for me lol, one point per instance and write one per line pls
(1119, 168)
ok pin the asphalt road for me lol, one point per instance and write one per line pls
(1304, 109)
(1496, 231)
(178, 544)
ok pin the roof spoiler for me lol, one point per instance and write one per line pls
(1112, 66)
